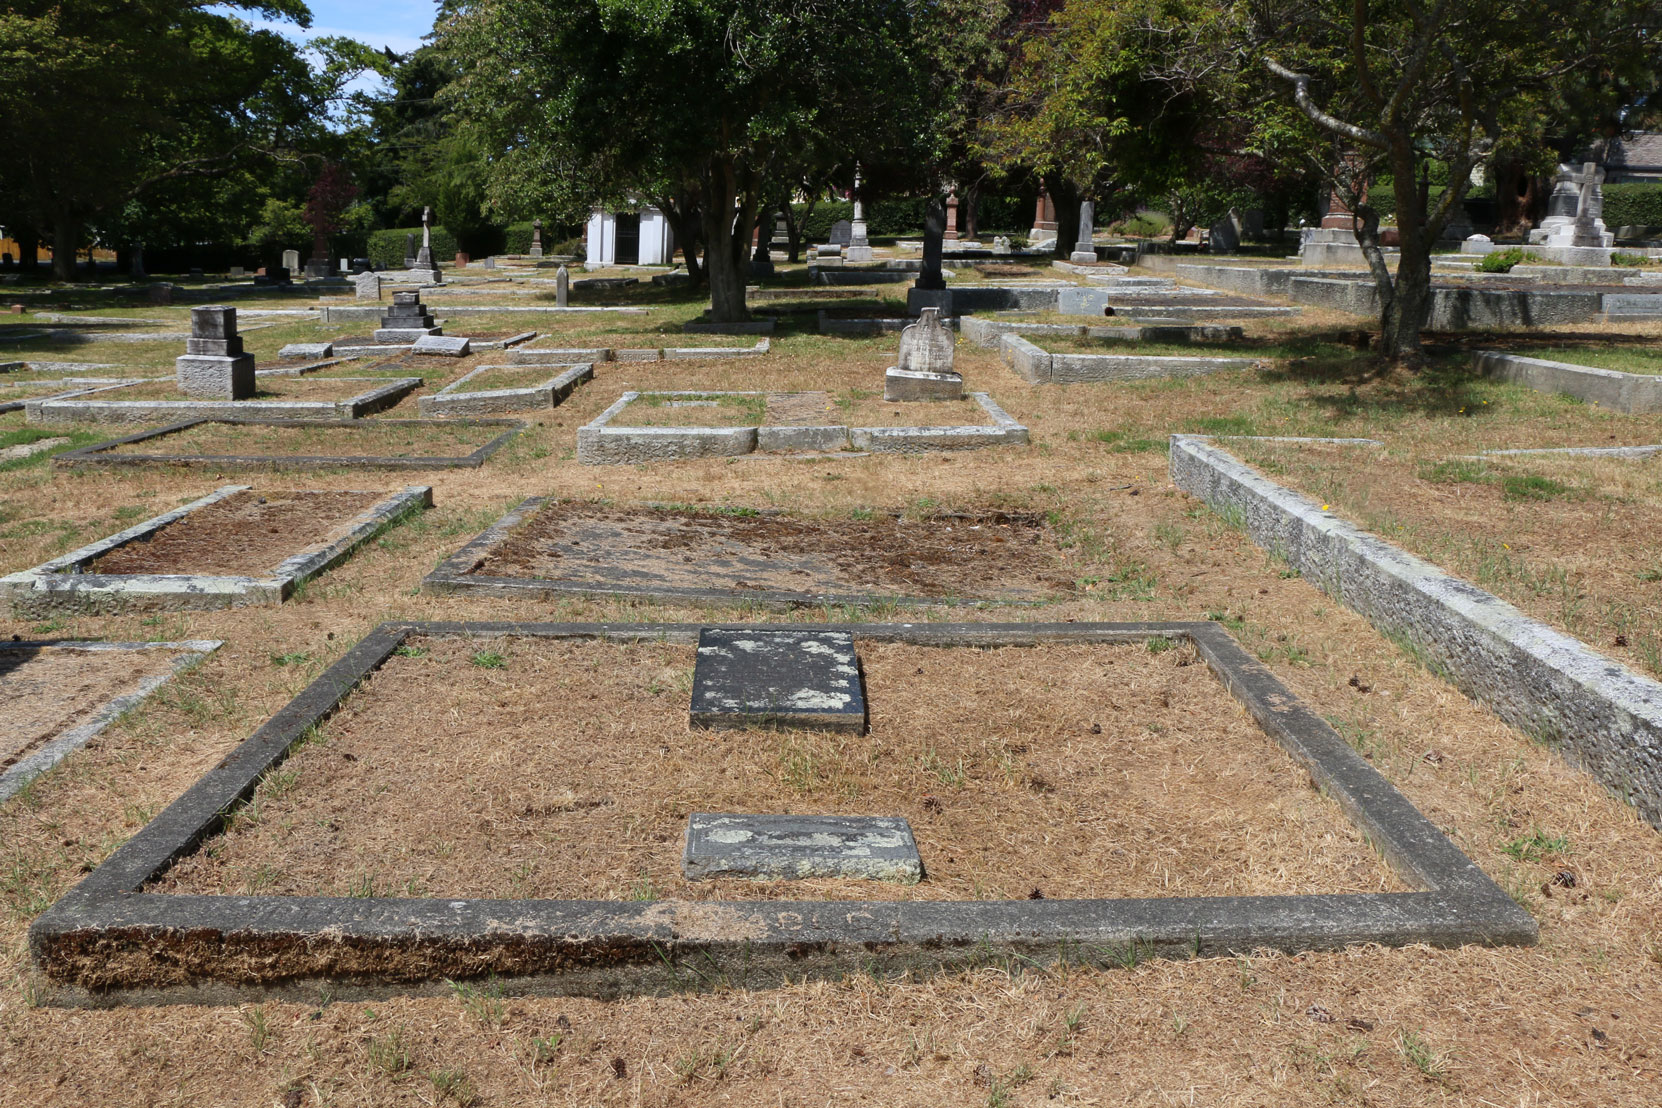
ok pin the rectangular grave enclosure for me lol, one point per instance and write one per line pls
(72, 583)
(101, 453)
(107, 942)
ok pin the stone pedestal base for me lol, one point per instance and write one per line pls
(1083, 257)
(405, 334)
(215, 378)
(918, 299)
(857, 254)
(910, 384)
(424, 276)
(1574, 255)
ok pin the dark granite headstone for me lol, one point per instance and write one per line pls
(842, 233)
(781, 679)
(799, 847)
(407, 320)
(934, 228)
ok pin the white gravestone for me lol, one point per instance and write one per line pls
(924, 370)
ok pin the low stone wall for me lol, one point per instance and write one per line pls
(1600, 714)
(1633, 393)
(1457, 309)
(84, 409)
(456, 399)
(1038, 366)
(987, 332)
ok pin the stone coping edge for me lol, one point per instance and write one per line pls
(598, 443)
(98, 452)
(77, 409)
(453, 399)
(1633, 393)
(59, 585)
(107, 942)
(1601, 715)
(187, 654)
(455, 576)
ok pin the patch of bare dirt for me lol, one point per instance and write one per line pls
(246, 533)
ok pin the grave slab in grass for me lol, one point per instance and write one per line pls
(546, 549)
(786, 848)
(115, 452)
(778, 679)
(216, 552)
(114, 939)
(59, 695)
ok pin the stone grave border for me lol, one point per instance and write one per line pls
(455, 400)
(988, 332)
(1037, 366)
(1630, 393)
(188, 653)
(453, 577)
(101, 941)
(98, 453)
(1599, 714)
(360, 350)
(77, 387)
(384, 393)
(601, 444)
(567, 355)
(63, 584)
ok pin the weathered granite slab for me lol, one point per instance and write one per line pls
(786, 847)
(444, 346)
(782, 679)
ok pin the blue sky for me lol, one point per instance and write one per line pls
(395, 23)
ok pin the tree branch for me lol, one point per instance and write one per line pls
(1301, 96)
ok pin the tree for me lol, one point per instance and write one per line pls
(1397, 86)
(108, 102)
(698, 99)
(326, 203)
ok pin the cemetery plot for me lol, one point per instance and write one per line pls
(1569, 539)
(277, 397)
(506, 388)
(475, 776)
(252, 443)
(1636, 389)
(231, 548)
(666, 426)
(545, 548)
(59, 695)
(15, 396)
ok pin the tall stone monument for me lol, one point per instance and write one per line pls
(1043, 232)
(859, 247)
(426, 270)
(536, 238)
(1581, 238)
(951, 216)
(1084, 249)
(925, 368)
(214, 365)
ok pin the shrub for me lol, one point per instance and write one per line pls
(1502, 261)
(1633, 204)
(386, 248)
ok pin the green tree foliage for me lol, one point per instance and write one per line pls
(581, 100)
(1359, 88)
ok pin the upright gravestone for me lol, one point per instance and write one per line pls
(367, 286)
(934, 230)
(407, 320)
(859, 248)
(426, 270)
(536, 238)
(562, 287)
(925, 364)
(1084, 249)
(409, 251)
(214, 365)
(137, 270)
(842, 233)
(291, 260)
(1224, 236)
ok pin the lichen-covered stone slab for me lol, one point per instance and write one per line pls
(782, 679)
(785, 847)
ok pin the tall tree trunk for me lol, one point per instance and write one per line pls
(970, 226)
(28, 248)
(729, 216)
(1066, 199)
(796, 228)
(681, 211)
(66, 238)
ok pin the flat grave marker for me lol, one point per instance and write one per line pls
(786, 848)
(780, 679)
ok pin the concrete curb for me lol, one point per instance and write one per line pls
(454, 400)
(99, 454)
(108, 942)
(1037, 366)
(62, 586)
(32, 765)
(1633, 393)
(79, 409)
(1600, 714)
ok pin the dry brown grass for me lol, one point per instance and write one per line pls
(1413, 1026)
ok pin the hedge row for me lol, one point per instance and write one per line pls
(386, 248)
(1003, 214)
(1632, 204)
